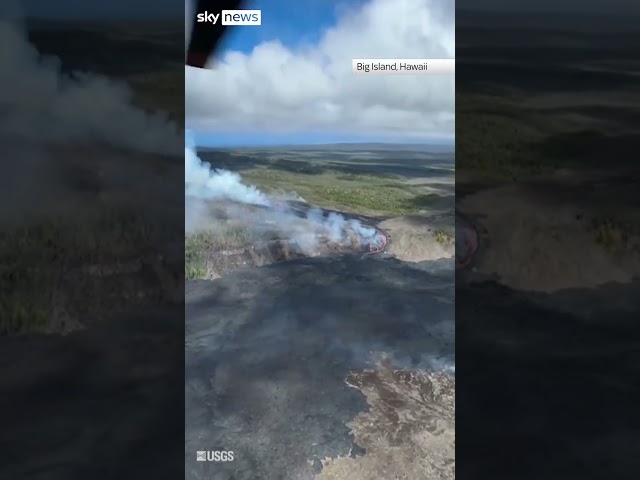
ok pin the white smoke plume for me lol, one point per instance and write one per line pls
(41, 104)
(203, 181)
(60, 130)
(335, 225)
(204, 185)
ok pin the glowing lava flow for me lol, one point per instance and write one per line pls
(378, 243)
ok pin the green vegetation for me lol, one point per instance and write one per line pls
(500, 137)
(608, 233)
(199, 245)
(368, 194)
(443, 238)
(35, 259)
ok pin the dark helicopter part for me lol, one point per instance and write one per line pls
(205, 37)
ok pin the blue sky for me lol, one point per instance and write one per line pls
(248, 99)
(292, 23)
(295, 24)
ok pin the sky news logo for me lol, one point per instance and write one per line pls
(214, 456)
(231, 17)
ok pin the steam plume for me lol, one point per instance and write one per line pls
(204, 183)
(55, 125)
(42, 104)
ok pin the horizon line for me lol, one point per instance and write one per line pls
(321, 144)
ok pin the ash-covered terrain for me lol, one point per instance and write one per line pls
(314, 349)
(546, 312)
(91, 251)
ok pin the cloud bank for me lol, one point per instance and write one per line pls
(284, 90)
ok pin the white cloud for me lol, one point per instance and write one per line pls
(282, 90)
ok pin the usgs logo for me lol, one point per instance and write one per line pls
(214, 456)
